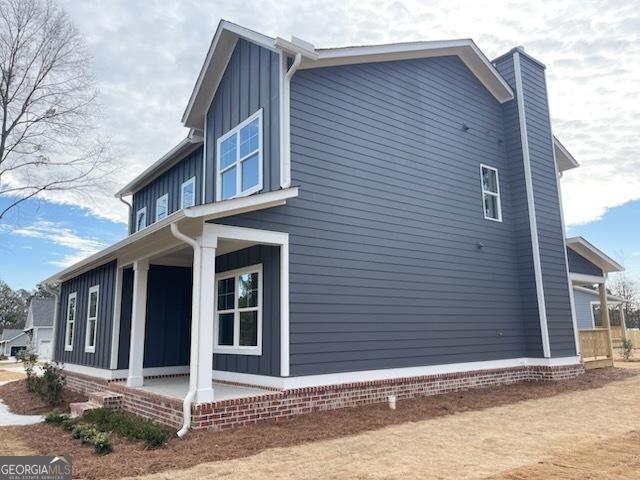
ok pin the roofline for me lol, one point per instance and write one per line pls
(186, 146)
(597, 253)
(208, 211)
(13, 338)
(564, 152)
(615, 298)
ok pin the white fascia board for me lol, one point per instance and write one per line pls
(181, 150)
(294, 48)
(563, 156)
(223, 42)
(205, 212)
(583, 279)
(465, 49)
(594, 254)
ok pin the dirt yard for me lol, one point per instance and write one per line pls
(8, 376)
(19, 401)
(568, 430)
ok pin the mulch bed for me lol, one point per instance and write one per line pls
(132, 458)
(20, 401)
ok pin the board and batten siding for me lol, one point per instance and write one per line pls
(579, 264)
(392, 263)
(250, 82)
(548, 216)
(169, 182)
(104, 276)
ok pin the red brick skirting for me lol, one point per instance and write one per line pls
(289, 403)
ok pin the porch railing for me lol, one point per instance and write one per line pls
(595, 346)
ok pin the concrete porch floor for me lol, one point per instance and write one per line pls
(177, 387)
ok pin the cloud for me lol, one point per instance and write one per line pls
(79, 247)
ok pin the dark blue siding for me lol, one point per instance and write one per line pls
(105, 277)
(579, 264)
(269, 362)
(250, 82)
(125, 318)
(385, 265)
(545, 189)
(169, 182)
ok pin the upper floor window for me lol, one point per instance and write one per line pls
(162, 207)
(491, 193)
(188, 193)
(141, 219)
(238, 326)
(239, 159)
(92, 319)
(71, 321)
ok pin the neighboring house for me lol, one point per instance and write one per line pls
(339, 225)
(12, 340)
(39, 326)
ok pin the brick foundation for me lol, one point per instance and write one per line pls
(289, 403)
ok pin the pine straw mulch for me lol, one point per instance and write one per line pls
(132, 458)
(20, 401)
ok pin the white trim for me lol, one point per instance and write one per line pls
(559, 150)
(596, 256)
(68, 339)
(122, 373)
(584, 278)
(285, 146)
(306, 381)
(284, 309)
(236, 348)
(282, 70)
(237, 164)
(164, 198)
(535, 246)
(92, 348)
(489, 192)
(186, 183)
(611, 299)
(593, 317)
(115, 329)
(203, 183)
(142, 211)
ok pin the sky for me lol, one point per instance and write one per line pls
(147, 55)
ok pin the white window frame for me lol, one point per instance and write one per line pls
(143, 210)
(493, 194)
(191, 181)
(68, 334)
(239, 160)
(164, 198)
(89, 348)
(237, 349)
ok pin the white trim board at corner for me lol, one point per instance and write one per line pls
(533, 225)
(387, 374)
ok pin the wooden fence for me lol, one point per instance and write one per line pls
(595, 346)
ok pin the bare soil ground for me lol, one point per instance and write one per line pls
(20, 401)
(431, 433)
(7, 376)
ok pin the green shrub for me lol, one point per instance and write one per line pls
(83, 432)
(52, 383)
(102, 443)
(69, 423)
(56, 417)
(129, 425)
(627, 349)
(3, 357)
(29, 359)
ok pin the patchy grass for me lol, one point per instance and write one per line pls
(452, 418)
(129, 426)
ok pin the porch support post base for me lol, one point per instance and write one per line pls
(135, 381)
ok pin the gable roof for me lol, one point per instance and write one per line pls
(594, 255)
(40, 313)
(564, 159)
(228, 33)
(9, 334)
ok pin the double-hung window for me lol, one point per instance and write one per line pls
(92, 319)
(71, 320)
(239, 159)
(491, 193)
(238, 326)
(141, 219)
(188, 193)
(162, 207)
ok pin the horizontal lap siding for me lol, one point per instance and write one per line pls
(579, 264)
(583, 308)
(269, 362)
(104, 276)
(385, 269)
(550, 232)
(170, 182)
(250, 82)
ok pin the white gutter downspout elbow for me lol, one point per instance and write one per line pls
(286, 124)
(129, 209)
(195, 324)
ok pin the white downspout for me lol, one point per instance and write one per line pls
(129, 209)
(56, 295)
(195, 324)
(286, 124)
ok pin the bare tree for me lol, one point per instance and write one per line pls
(46, 99)
(626, 288)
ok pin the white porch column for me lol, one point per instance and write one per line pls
(203, 311)
(138, 321)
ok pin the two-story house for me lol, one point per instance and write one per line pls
(338, 226)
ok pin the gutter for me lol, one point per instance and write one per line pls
(129, 210)
(286, 122)
(195, 332)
